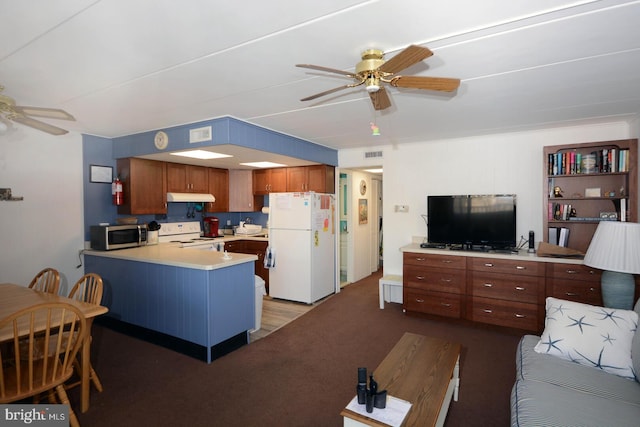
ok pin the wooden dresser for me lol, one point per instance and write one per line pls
(498, 289)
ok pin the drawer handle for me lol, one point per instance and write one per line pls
(592, 289)
(419, 277)
(488, 285)
(520, 267)
(572, 271)
(445, 304)
(486, 310)
(520, 288)
(488, 264)
(571, 294)
(419, 300)
(520, 316)
(420, 259)
(445, 280)
(446, 261)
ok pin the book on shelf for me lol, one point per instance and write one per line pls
(553, 235)
(607, 160)
(623, 210)
(563, 237)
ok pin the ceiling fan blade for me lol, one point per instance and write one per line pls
(380, 99)
(327, 69)
(327, 92)
(430, 83)
(37, 124)
(49, 113)
(411, 55)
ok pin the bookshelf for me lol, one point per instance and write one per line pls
(588, 183)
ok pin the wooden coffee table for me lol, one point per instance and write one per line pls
(421, 370)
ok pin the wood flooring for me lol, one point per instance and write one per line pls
(276, 313)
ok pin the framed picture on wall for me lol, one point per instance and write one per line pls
(363, 214)
(101, 174)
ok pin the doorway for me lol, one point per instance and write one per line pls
(360, 204)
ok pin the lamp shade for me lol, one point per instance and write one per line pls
(615, 246)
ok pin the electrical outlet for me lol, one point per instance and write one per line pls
(402, 208)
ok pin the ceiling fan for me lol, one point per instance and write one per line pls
(23, 115)
(373, 70)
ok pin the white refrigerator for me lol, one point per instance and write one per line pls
(302, 244)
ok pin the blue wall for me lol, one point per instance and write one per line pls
(226, 130)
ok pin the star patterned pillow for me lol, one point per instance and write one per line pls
(594, 336)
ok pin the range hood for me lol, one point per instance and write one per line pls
(190, 197)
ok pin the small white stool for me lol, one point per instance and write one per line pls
(386, 284)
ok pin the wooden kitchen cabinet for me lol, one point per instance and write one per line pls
(187, 178)
(241, 191)
(219, 187)
(572, 282)
(144, 185)
(267, 181)
(252, 247)
(318, 178)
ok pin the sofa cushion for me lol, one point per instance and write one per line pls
(590, 335)
(533, 366)
(535, 403)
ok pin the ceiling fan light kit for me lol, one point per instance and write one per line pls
(374, 69)
(9, 111)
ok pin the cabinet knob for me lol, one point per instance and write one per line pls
(571, 294)
(420, 259)
(572, 271)
(445, 280)
(446, 261)
(419, 300)
(419, 277)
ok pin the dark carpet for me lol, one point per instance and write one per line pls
(301, 375)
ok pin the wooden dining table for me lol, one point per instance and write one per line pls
(15, 297)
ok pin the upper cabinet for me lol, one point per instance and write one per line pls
(588, 183)
(267, 181)
(318, 178)
(187, 178)
(219, 187)
(144, 185)
(241, 191)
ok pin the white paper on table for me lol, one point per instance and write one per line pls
(393, 415)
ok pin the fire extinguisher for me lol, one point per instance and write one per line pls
(116, 192)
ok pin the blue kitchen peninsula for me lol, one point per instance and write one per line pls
(194, 301)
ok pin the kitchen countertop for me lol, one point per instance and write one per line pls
(172, 254)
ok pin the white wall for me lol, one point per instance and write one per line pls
(46, 228)
(502, 163)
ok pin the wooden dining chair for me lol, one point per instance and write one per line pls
(48, 280)
(24, 374)
(87, 289)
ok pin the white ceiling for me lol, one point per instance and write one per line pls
(123, 67)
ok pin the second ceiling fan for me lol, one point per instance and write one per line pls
(373, 70)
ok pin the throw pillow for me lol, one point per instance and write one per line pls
(594, 336)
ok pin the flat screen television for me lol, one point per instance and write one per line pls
(472, 221)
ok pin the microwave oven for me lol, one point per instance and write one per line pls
(109, 237)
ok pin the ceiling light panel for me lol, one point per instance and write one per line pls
(201, 154)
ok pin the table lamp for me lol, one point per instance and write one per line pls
(615, 248)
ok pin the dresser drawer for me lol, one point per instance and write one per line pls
(574, 272)
(585, 292)
(504, 313)
(434, 279)
(529, 289)
(430, 260)
(509, 266)
(439, 303)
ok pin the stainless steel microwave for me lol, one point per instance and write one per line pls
(109, 237)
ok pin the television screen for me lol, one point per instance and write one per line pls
(475, 220)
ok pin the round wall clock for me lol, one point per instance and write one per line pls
(161, 140)
(363, 187)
